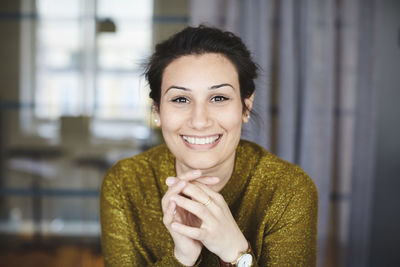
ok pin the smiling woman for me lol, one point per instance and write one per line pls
(200, 112)
(206, 198)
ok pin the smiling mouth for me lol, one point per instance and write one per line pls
(201, 140)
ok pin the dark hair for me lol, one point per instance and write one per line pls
(196, 41)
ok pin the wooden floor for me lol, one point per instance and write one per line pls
(62, 256)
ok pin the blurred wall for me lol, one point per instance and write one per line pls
(9, 78)
(169, 17)
(9, 63)
(386, 215)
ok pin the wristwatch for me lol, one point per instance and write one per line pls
(245, 259)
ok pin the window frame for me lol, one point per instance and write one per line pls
(48, 128)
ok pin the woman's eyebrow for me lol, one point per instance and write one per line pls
(177, 87)
(187, 89)
(221, 85)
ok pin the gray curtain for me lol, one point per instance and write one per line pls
(310, 100)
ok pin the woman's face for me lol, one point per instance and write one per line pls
(200, 110)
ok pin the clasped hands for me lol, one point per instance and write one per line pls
(197, 216)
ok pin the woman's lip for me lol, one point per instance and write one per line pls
(200, 136)
(202, 146)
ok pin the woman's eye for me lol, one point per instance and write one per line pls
(219, 98)
(180, 100)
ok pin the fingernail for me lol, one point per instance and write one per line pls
(170, 181)
(196, 172)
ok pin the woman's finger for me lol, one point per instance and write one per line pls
(169, 214)
(170, 181)
(198, 209)
(173, 190)
(214, 195)
(190, 175)
(187, 176)
(206, 196)
(191, 232)
(208, 180)
(196, 193)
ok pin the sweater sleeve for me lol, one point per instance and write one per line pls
(291, 241)
(121, 244)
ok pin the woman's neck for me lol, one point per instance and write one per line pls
(222, 171)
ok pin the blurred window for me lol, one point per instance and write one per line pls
(85, 59)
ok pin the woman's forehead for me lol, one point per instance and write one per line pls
(200, 70)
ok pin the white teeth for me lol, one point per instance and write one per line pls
(200, 141)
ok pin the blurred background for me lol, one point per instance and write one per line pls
(73, 101)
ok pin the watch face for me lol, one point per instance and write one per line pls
(245, 260)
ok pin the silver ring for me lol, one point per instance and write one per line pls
(209, 200)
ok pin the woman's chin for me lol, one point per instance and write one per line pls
(199, 164)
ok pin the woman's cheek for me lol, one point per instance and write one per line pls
(230, 118)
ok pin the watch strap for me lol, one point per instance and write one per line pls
(232, 264)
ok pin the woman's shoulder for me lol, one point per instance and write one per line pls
(273, 170)
(141, 166)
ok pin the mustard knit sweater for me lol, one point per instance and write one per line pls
(274, 203)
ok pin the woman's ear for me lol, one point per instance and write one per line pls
(157, 120)
(249, 104)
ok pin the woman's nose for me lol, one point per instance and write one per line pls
(200, 117)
